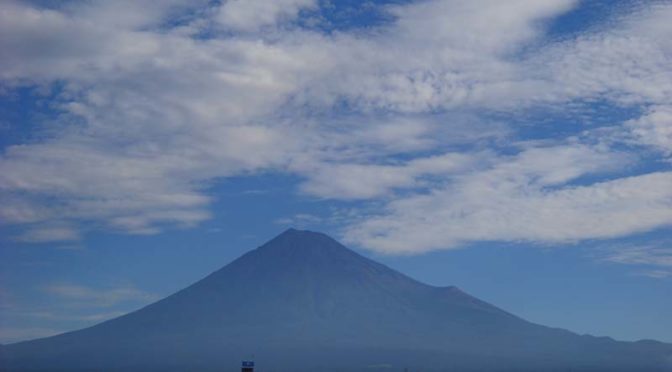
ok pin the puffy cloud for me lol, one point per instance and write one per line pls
(446, 54)
(82, 40)
(153, 105)
(527, 198)
(142, 128)
(251, 15)
(654, 129)
(488, 26)
(364, 181)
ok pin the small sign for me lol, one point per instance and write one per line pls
(247, 363)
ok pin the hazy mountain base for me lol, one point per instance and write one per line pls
(305, 302)
(323, 360)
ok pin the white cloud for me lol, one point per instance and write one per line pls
(642, 255)
(445, 55)
(654, 129)
(527, 198)
(150, 115)
(89, 317)
(364, 181)
(656, 274)
(65, 307)
(78, 295)
(251, 15)
(81, 40)
(16, 334)
(49, 234)
(488, 26)
(653, 260)
(300, 220)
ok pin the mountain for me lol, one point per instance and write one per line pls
(303, 301)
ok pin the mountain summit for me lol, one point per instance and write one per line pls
(303, 301)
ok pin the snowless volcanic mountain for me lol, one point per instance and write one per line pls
(305, 302)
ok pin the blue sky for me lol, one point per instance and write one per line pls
(520, 150)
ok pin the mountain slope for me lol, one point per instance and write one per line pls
(303, 300)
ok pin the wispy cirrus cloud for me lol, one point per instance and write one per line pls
(16, 334)
(65, 306)
(88, 317)
(656, 274)
(78, 295)
(642, 255)
(49, 234)
(653, 259)
(300, 220)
